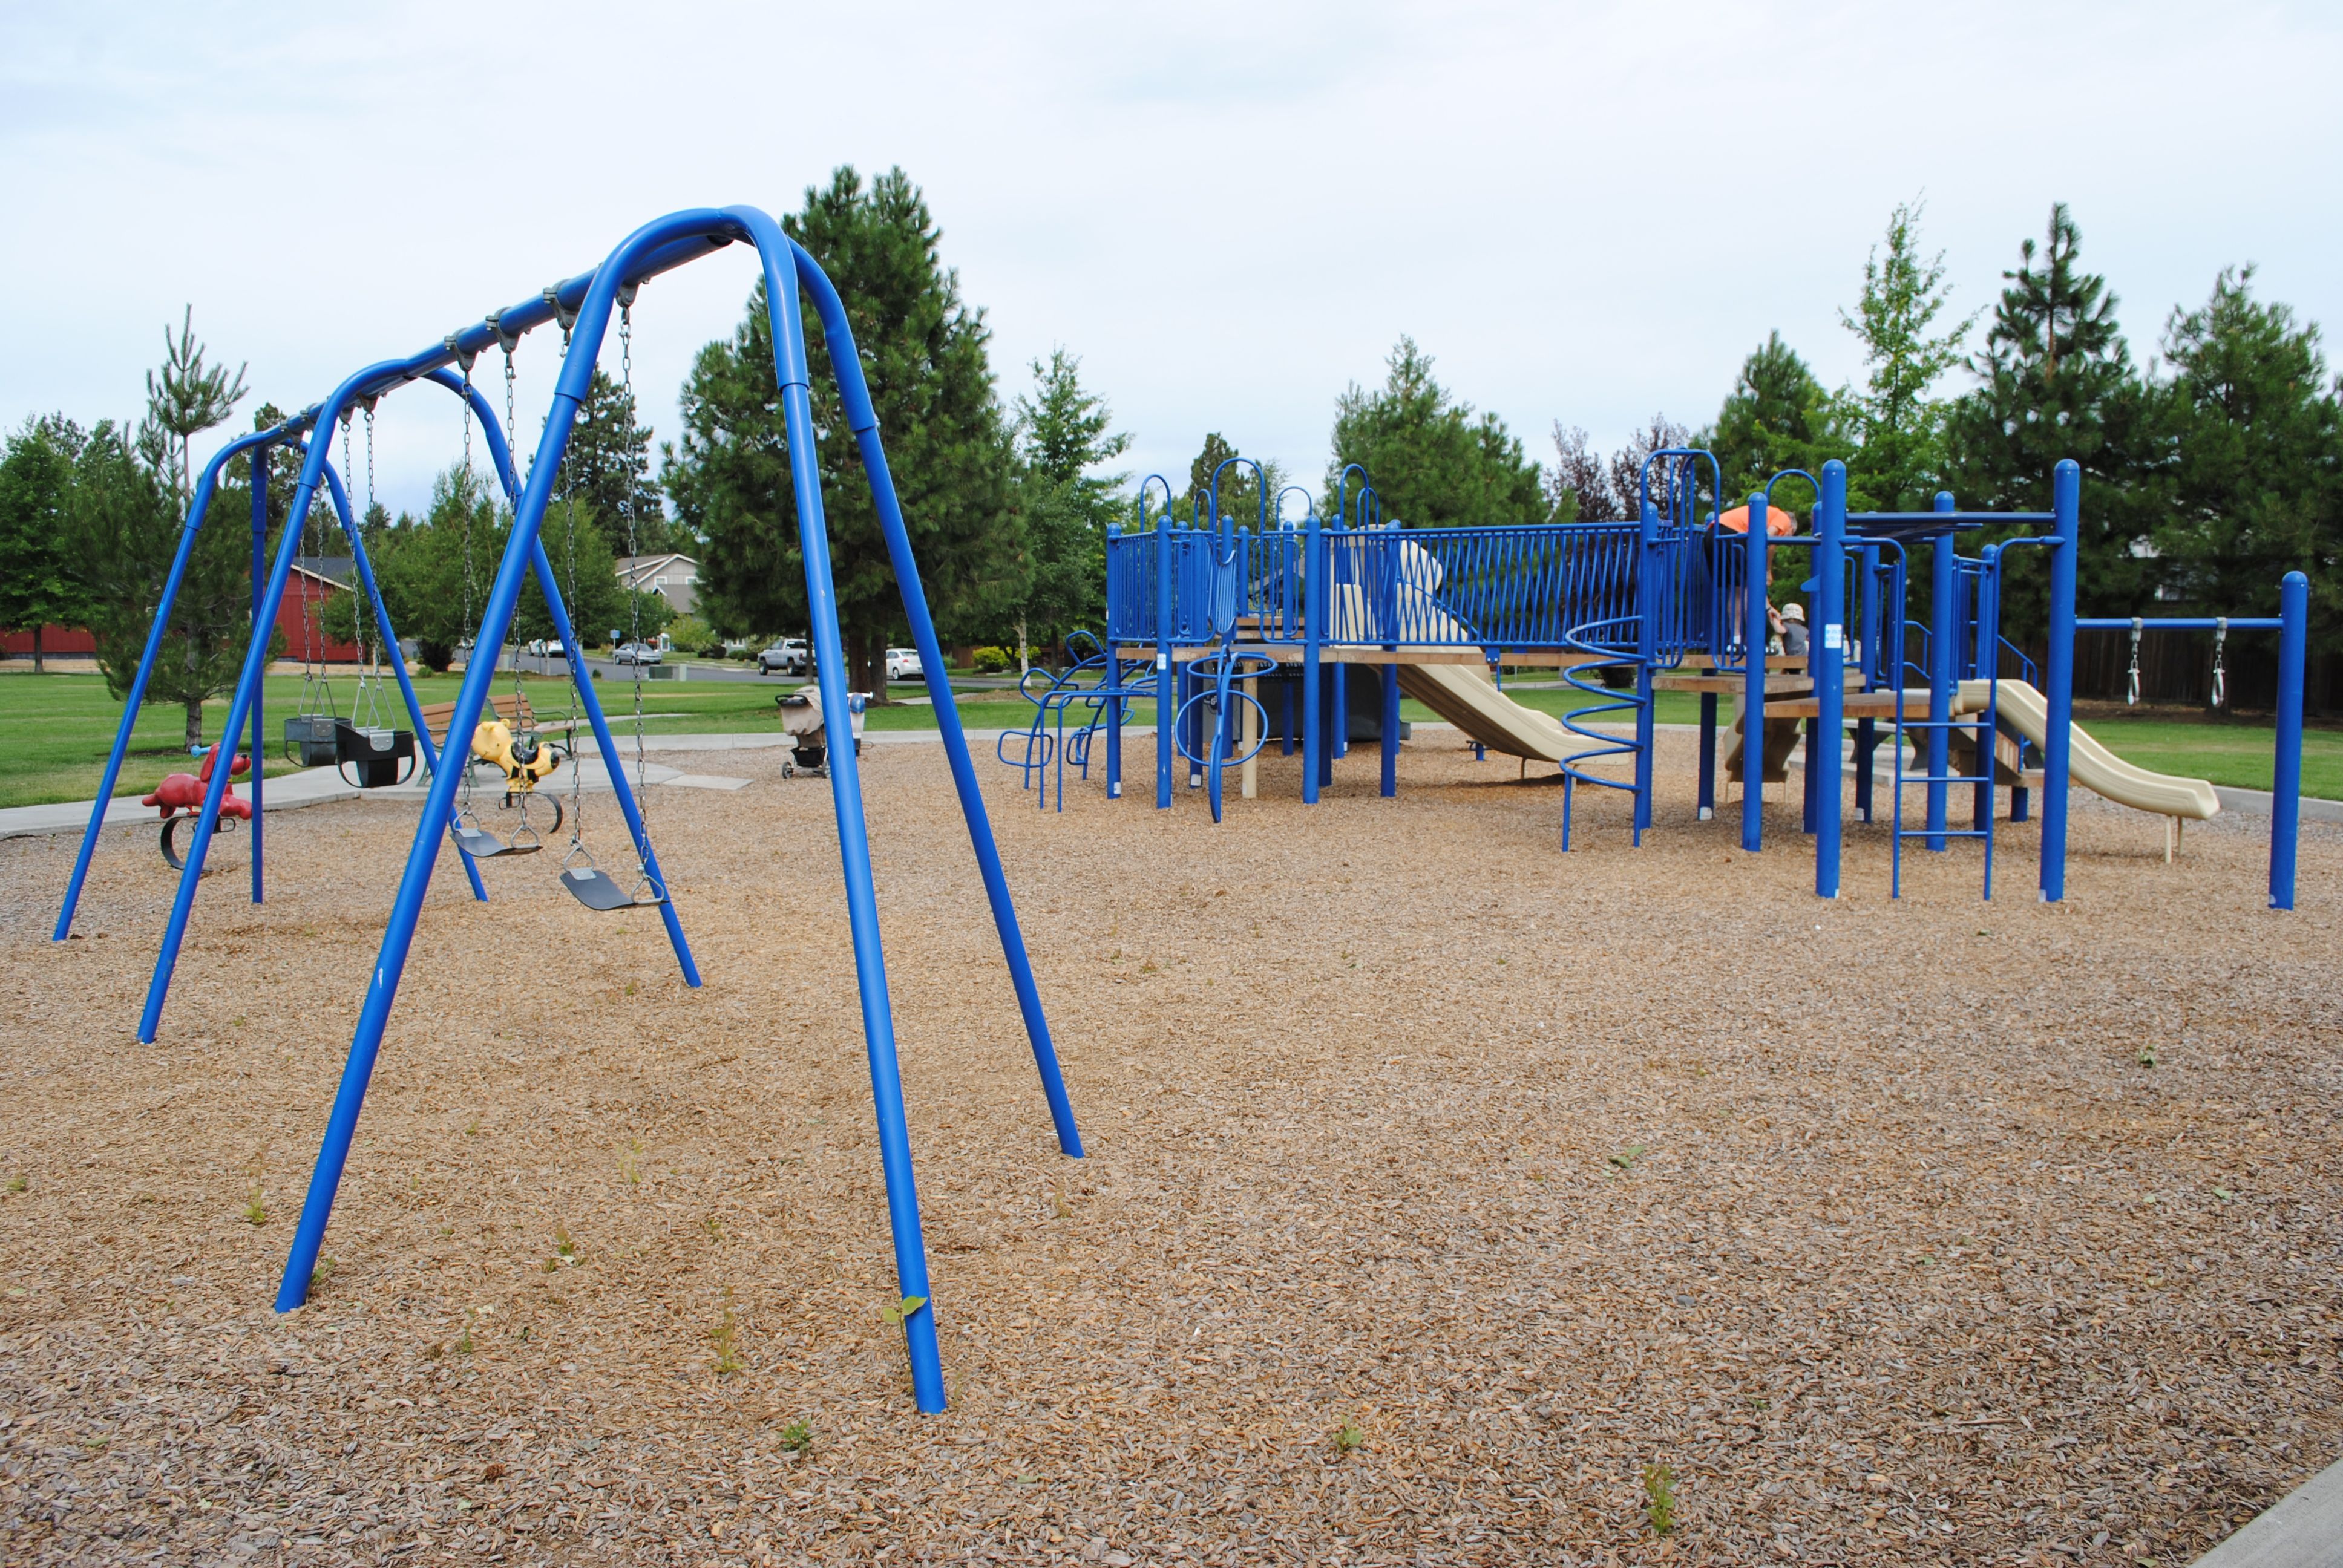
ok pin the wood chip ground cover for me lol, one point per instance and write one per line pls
(1440, 1186)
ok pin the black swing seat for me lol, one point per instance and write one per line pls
(597, 890)
(482, 846)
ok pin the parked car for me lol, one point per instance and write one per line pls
(636, 653)
(904, 664)
(788, 657)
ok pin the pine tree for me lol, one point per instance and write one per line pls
(40, 580)
(925, 352)
(1897, 426)
(2056, 381)
(2257, 480)
(1242, 492)
(1432, 461)
(124, 522)
(1064, 433)
(1778, 417)
(185, 397)
(607, 466)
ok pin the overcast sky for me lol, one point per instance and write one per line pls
(1584, 212)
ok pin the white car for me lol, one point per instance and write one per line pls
(904, 664)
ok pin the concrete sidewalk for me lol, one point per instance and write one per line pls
(316, 786)
(2304, 1529)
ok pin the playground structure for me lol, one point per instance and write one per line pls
(1206, 617)
(583, 305)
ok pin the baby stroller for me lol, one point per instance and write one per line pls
(809, 731)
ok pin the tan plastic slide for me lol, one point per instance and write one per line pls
(2092, 765)
(1463, 694)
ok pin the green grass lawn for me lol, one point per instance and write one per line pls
(54, 730)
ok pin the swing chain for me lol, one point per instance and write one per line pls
(2220, 669)
(2131, 679)
(634, 551)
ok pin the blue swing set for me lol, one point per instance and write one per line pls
(583, 305)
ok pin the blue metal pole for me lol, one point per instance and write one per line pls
(1647, 653)
(1391, 730)
(1753, 718)
(1167, 705)
(1943, 662)
(864, 421)
(2286, 782)
(1826, 657)
(256, 664)
(259, 744)
(783, 269)
(1707, 801)
(1866, 730)
(1112, 675)
(205, 485)
(2065, 509)
(1340, 737)
(390, 643)
(1316, 599)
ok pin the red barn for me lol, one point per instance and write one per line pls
(314, 580)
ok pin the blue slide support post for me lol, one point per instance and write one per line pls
(2286, 784)
(1706, 806)
(1648, 591)
(1866, 730)
(205, 485)
(1391, 730)
(258, 744)
(1826, 657)
(2059, 674)
(1753, 658)
(1167, 703)
(1316, 600)
(1944, 664)
(1111, 677)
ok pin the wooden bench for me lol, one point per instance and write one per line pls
(512, 707)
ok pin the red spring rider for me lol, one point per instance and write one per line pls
(185, 792)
